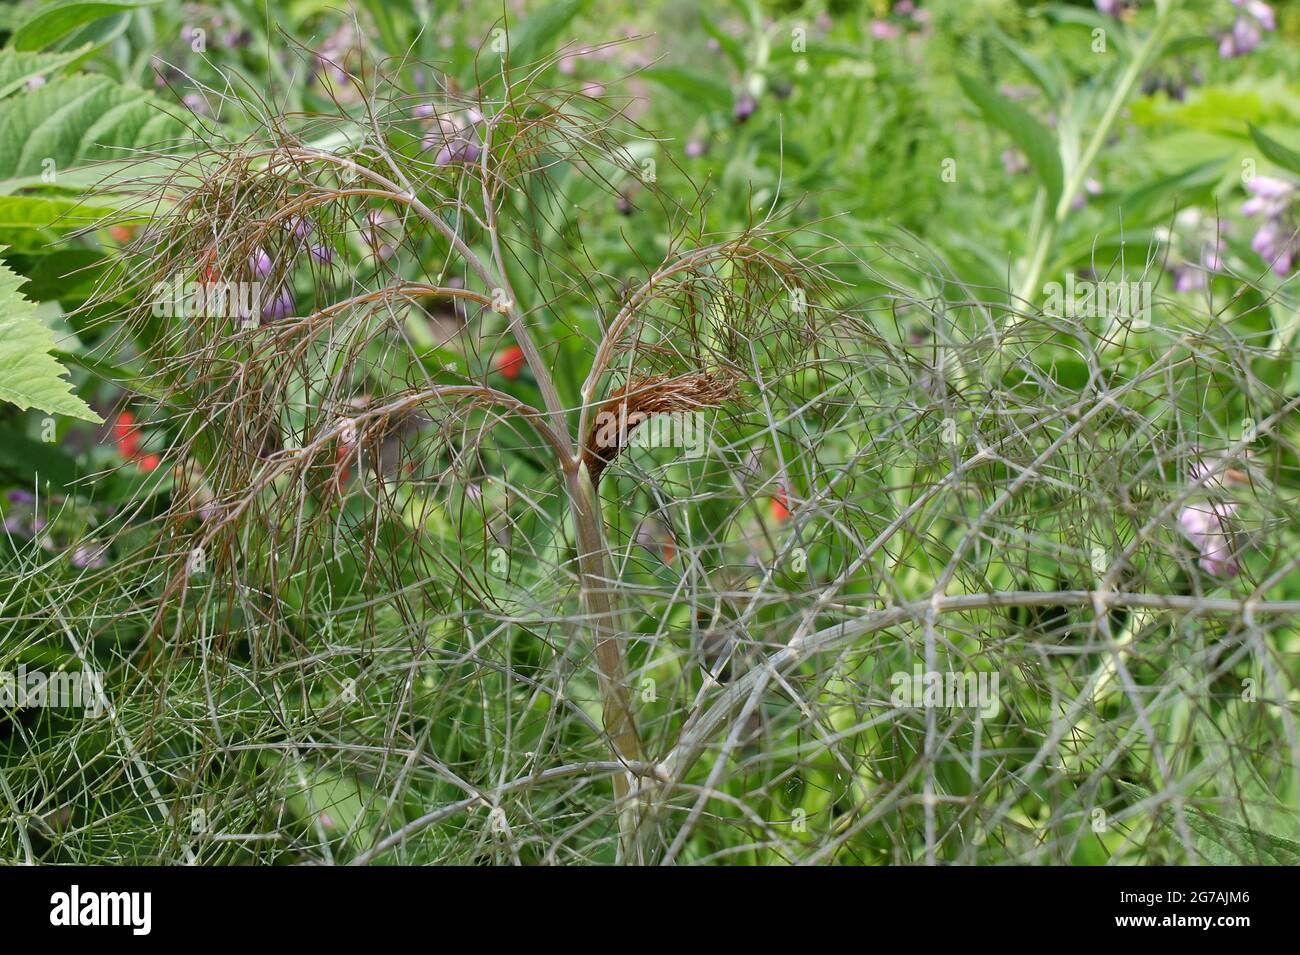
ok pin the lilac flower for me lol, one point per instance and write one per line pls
(260, 264)
(455, 140)
(744, 108)
(884, 30)
(1112, 8)
(1206, 526)
(1261, 11)
(89, 556)
(1196, 249)
(462, 150)
(1248, 29)
(1269, 197)
(196, 104)
(322, 254)
(1275, 241)
(19, 496)
(299, 226)
(280, 307)
(695, 148)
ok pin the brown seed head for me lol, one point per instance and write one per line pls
(634, 403)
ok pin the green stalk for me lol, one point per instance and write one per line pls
(616, 699)
(1151, 46)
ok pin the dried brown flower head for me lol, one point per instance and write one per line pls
(634, 403)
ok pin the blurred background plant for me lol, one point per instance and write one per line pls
(338, 624)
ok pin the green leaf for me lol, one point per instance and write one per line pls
(1048, 80)
(729, 45)
(30, 377)
(73, 123)
(1275, 152)
(17, 68)
(56, 20)
(54, 212)
(535, 35)
(1028, 133)
(1220, 841)
(690, 85)
(1151, 197)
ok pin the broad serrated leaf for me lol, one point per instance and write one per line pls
(1037, 142)
(68, 125)
(1275, 152)
(30, 377)
(56, 20)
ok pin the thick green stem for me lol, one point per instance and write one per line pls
(1132, 73)
(599, 602)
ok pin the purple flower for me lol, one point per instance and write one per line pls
(195, 103)
(884, 30)
(744, 108)
(323, 254)
(260, 264)
(1275, 240)
(280, 307)
(461, 150)
(695, 148)
(1248, 30)
(1206, 526)
(1261, 11)
(89, 556)
(1112, 8)
(19, 496)
(1269, 197)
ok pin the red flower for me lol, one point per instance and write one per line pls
(126, 438)
(780, 505)
(126, 435)
(510, 362)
